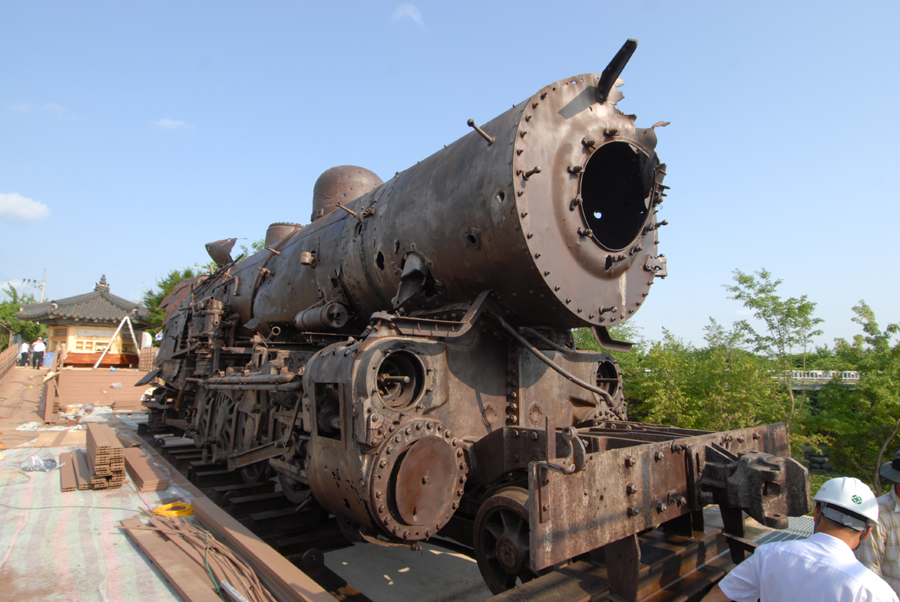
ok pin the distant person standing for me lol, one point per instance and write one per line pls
(37, 353)
(24, 349)
(881, 552)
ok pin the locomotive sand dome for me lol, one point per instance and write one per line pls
(406, 359)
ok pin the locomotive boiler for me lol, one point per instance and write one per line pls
(407, 359)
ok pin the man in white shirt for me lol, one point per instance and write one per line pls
(37, 353)
(23, 353)
(881, 552)
(819, 568)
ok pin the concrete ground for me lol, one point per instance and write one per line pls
(398, 573)
(58, 546)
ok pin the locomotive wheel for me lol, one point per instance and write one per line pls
(256, 473)
(293, 490)
(205, 401)
(222, 414)
(247, 427)
(501, 540)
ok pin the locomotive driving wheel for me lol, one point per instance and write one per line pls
(247, 436)
(501, 540)
(223, 424)
(203, 415)
(294, 490)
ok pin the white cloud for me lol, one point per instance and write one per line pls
(411, 11)
(48, 107)
(16, 284)
(16, 208)
(53, 108)
(170, 124)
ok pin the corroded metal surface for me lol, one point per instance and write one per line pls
(407, 358)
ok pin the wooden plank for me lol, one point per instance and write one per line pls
(67, 473)
(172, 562)
(146, 474)
(284, 579)
(51, 400)
(82, 473)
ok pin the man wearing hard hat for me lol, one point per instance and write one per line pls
(881, 552)
(819, 568)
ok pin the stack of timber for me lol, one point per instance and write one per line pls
(190, 558)
(277, 573)
(105, 457)
(144, 472)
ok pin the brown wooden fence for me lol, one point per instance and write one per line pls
(7, 360)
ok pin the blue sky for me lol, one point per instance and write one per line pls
(135, 132)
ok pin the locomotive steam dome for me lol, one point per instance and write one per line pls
(342, 185)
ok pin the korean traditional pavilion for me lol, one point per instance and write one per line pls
(85, 324)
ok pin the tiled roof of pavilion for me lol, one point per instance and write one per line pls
(98, 306)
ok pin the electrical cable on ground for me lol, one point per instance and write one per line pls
(175, 509)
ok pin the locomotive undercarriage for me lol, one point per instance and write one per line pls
(468, 437)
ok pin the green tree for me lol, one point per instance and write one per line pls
(719, 387)
(862, 423)
(629, 361)
(152, 298)
(789, 327)
(10, 325)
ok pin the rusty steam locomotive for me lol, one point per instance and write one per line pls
(406, 359)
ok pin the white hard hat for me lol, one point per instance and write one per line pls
(852, 495)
